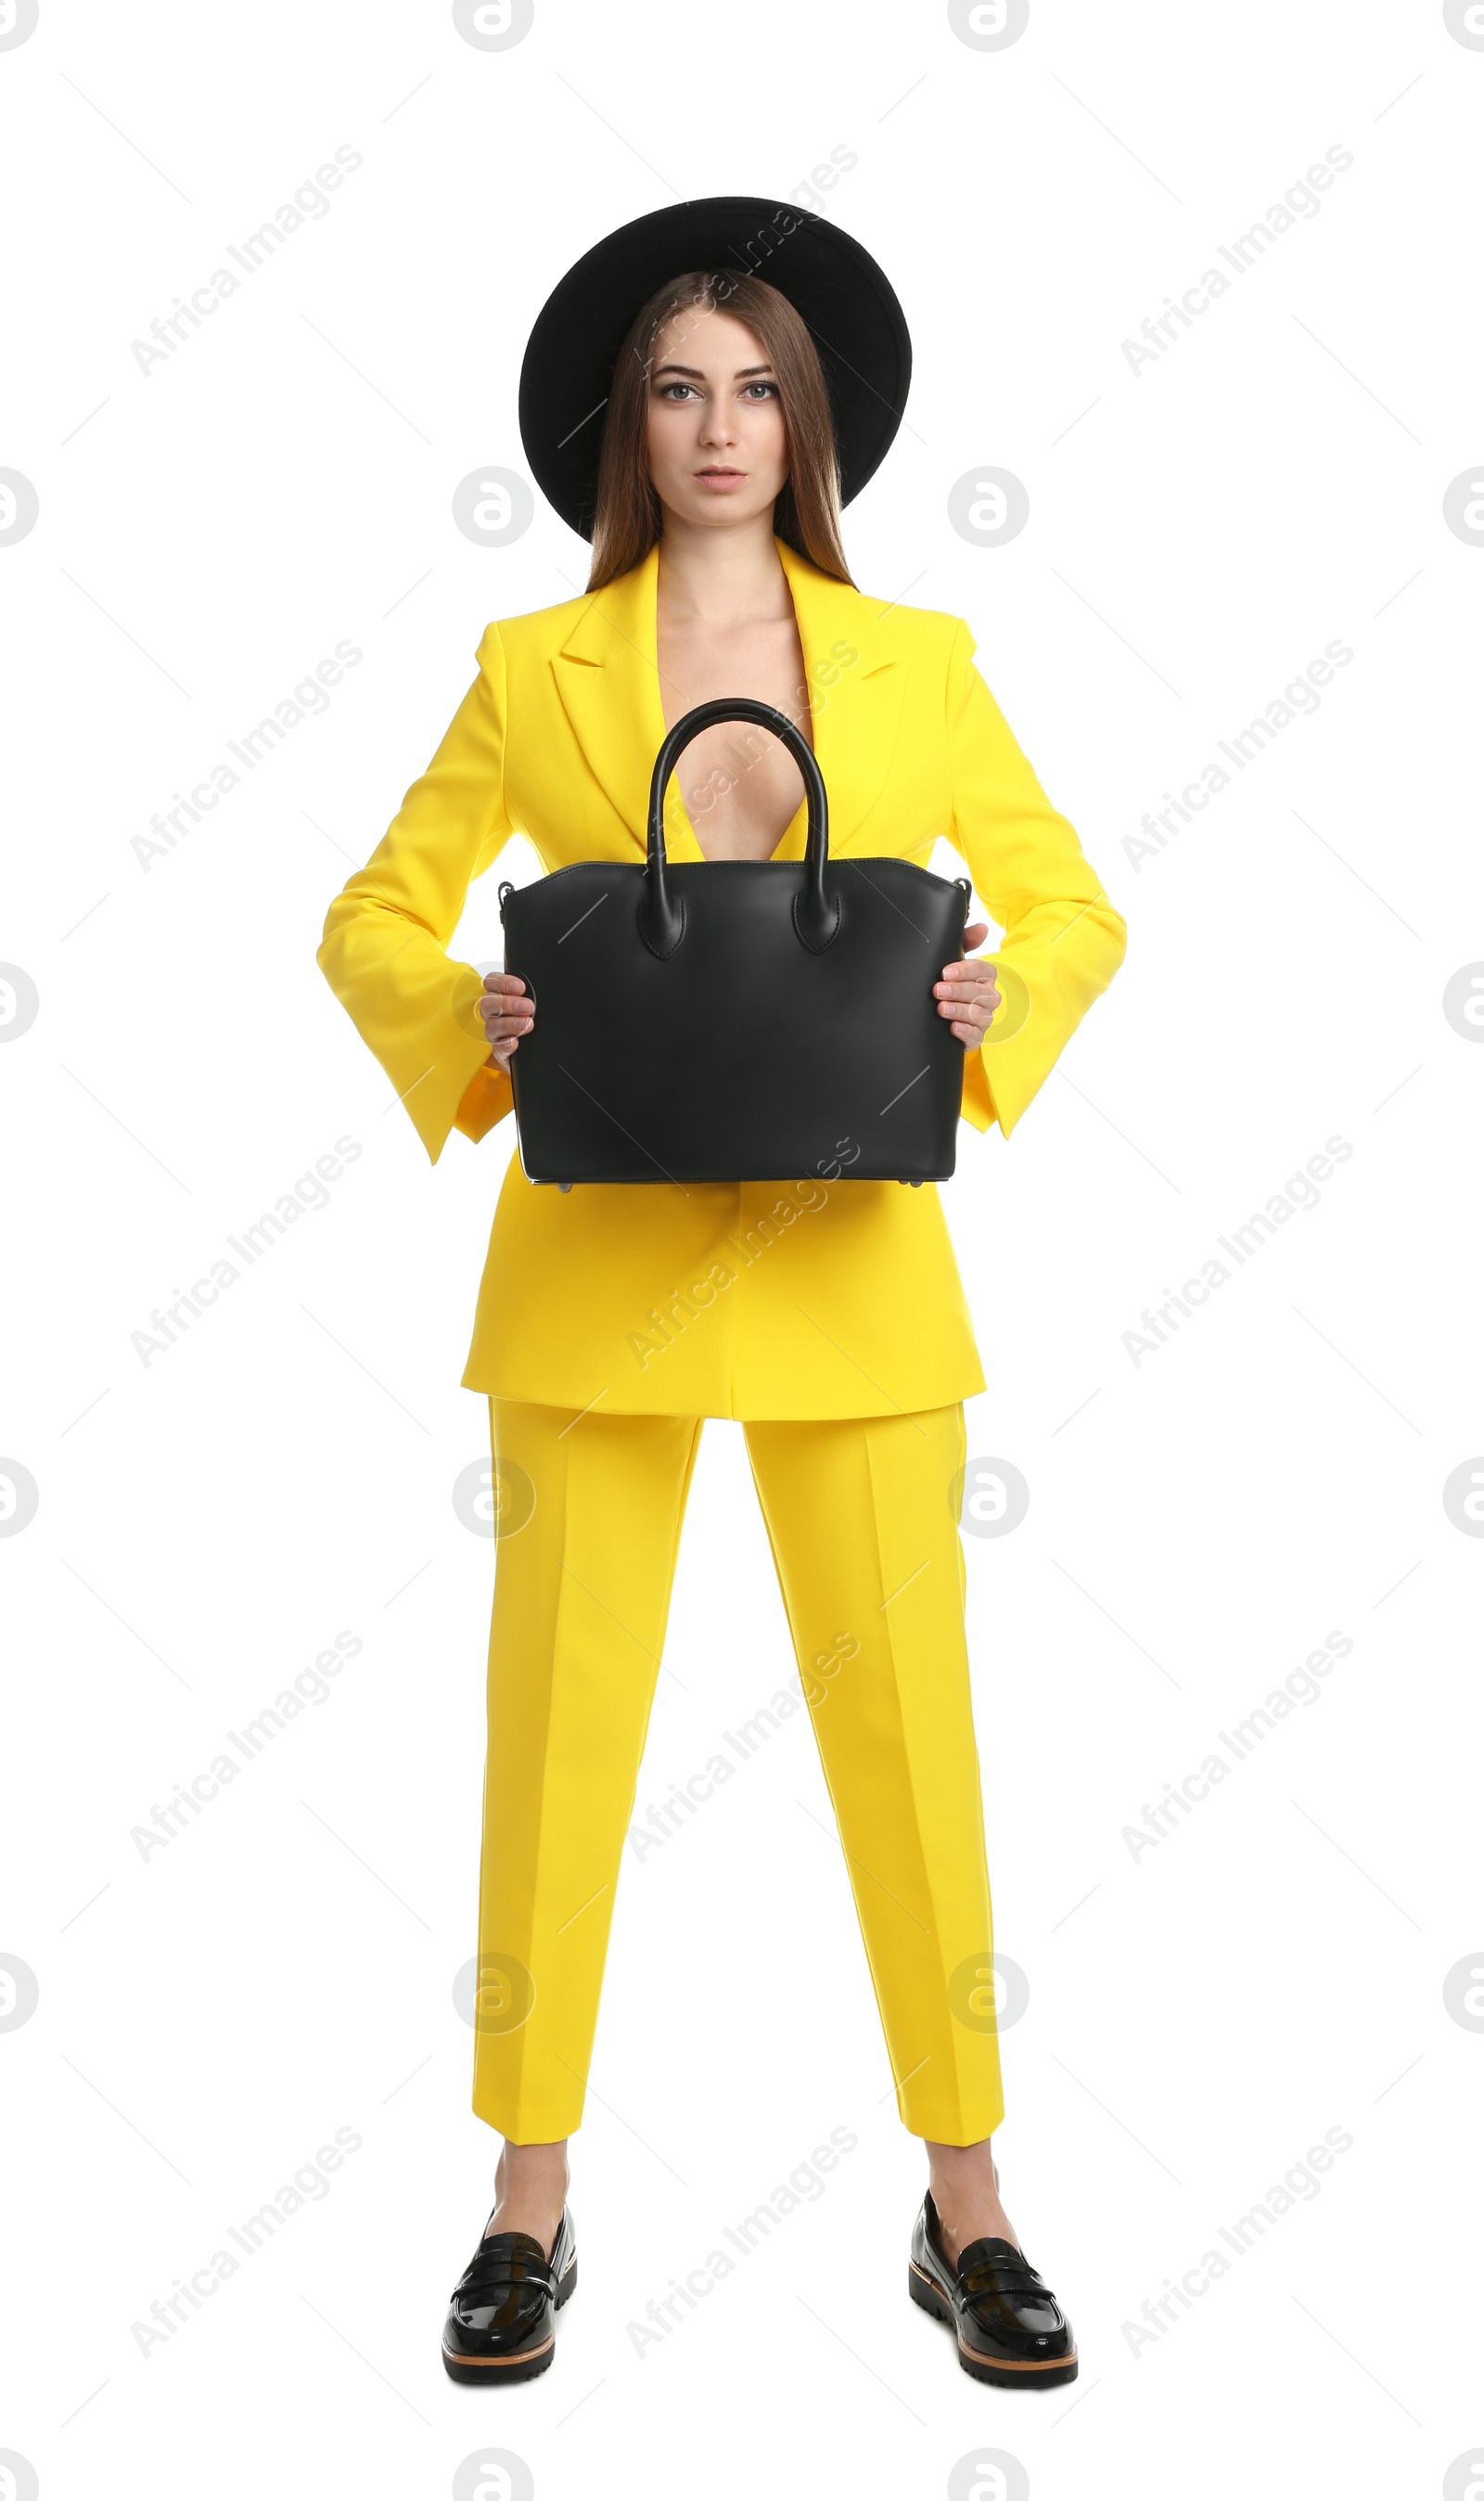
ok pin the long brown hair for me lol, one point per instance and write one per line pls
(806, 512)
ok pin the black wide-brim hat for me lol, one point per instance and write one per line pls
(842, 296)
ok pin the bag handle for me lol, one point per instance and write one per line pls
(661, 912)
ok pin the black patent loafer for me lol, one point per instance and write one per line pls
(1011, 2329)
(501, 2322)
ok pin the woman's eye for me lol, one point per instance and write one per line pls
(770, 391)
(666, 388)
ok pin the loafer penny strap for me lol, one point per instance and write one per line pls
(507, 2258)
(985, 2268)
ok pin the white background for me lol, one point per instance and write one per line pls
(1198, 2016)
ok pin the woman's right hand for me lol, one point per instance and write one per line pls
(508, 1014)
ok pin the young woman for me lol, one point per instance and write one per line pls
(707, 452)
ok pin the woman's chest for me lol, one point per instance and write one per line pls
(740, 787)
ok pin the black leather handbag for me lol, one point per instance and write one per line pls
(736, 1019)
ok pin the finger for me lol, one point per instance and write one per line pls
(507, 981)
(976, 935)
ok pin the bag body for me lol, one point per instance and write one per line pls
(736, 1019)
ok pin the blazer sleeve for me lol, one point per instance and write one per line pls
(1063, 940)
(385, 938)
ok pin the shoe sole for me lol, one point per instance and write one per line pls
(477, 2370)
(997, 2374)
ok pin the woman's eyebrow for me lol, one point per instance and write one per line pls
(742, 373)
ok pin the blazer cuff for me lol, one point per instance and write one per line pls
(979, 1104)
(1004, 1075)
(486, 1099)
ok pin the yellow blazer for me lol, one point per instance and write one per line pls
(758, 1299)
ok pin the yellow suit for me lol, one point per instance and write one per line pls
(841, 1301)
(828, 1317)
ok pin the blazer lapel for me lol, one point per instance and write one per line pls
(607, 676)
(857, 680)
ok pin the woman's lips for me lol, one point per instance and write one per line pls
(719, 479)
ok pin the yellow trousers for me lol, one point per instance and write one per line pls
(861, 1519)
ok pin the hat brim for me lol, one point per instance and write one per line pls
(840, 292)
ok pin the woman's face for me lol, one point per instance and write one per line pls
(718, 454)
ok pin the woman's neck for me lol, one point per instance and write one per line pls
(719, 579)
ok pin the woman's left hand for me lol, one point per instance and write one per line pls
(966, 994)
